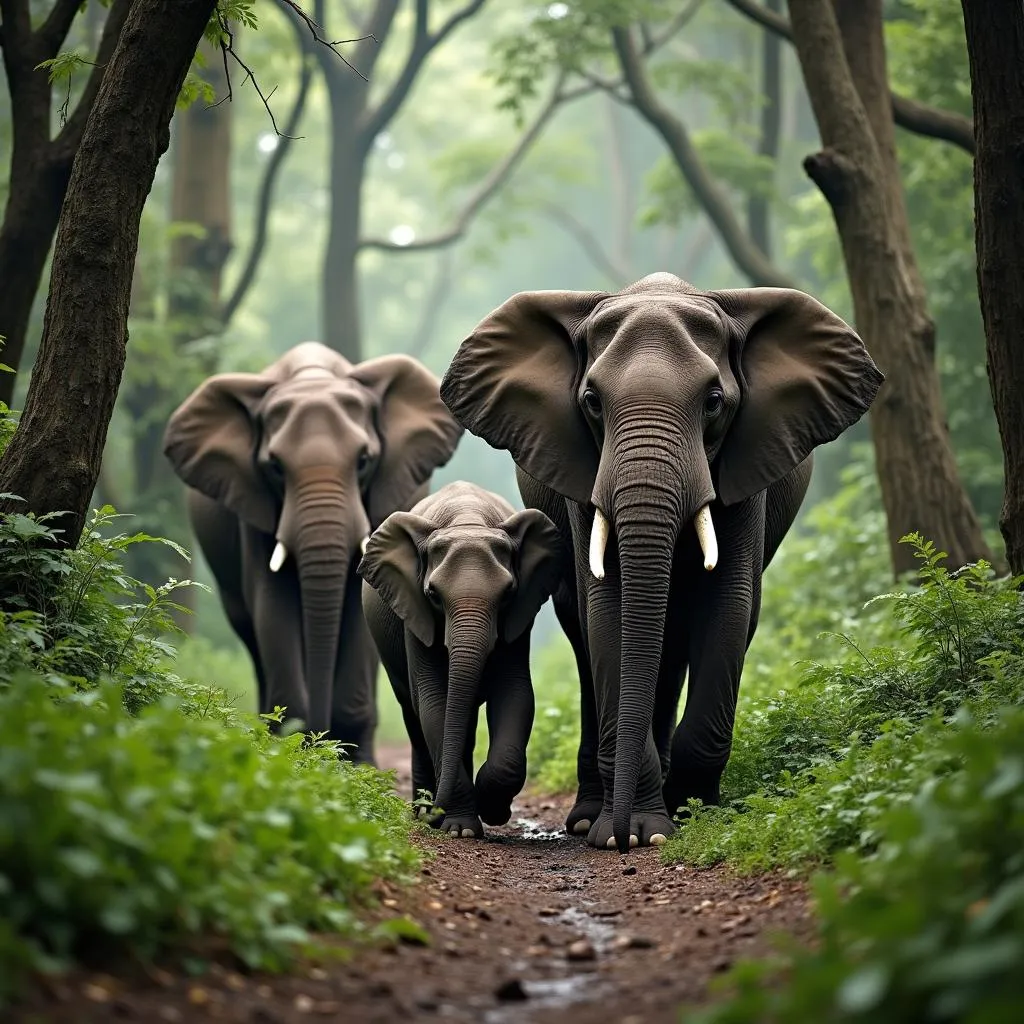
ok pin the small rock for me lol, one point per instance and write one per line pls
(236, 982)
(96, 993)
(303, 1003)
(549, 912)
(511, 991)
(465, 908)
(581, 949)
(633, 942)
(604, 910)
(390, 902)
(483, 914)
(265, 992)
(198, 996)
(427, 1003)
(631, 870)
(452, 950)
(435, 905)
(169, 1013)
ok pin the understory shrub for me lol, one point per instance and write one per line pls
(930, 927)
(145, 815)
(822, 763)
(554, 741)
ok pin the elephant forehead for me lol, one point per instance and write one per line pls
(308, 392)
(669, 322)
(463, 547)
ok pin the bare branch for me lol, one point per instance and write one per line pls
(588, 242)
(264, 201)
(65, 145)
(423, 43)
(439, 292)
(319, 35)
(919, 118)
(54, 30)
(500, 173)
(716, 203)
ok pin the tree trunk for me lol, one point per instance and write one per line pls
(54, 460)
(40, 166)
(342, 326)
(858, 174)
(995, 47)
(759, 207)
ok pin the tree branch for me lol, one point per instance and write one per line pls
(264, 201)
(500, 173)
(717, 204)
(54, 30)
(65, 145)
(919, 118)
(376, 120)
(439, 292)
(588, 242)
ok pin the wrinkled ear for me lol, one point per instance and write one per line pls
(804, 375)
(417, 431)
(210, 441)
(539, 563)
(392, 564)
(513, 382)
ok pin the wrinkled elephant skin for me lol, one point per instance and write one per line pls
(667, 432)
(450, 593)
(288, 472)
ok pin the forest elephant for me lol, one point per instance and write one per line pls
(288, 472)
(667, 431)
(450, 594)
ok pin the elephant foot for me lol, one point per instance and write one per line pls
(646, 828)
(494, 809)
(462, 826)
(495, 791)
(583, 815)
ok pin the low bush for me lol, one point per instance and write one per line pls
(143, 814)
(551, 755)
(931, 926)
(825, 761)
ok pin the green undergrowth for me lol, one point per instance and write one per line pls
(814, 768)
(144, 815)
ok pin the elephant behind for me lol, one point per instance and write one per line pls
(450, 594)
(288, 472)
(668, 432)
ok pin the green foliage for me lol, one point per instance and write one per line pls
(63, 66)
(76, 613)
(162, 831)
(931, 926)
(818, 768)
(551, 756)
(144, 815)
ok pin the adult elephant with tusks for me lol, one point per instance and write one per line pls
(288, 472)
(668, 432)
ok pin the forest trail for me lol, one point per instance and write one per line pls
(523, 927)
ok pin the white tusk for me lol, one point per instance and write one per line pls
(363, 543)
(706, 535)
(278, 557)
(598, 542)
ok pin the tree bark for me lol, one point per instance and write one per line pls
(995, 47)
(759, 207)
(40, 166)
(845, 74)
(54, 460)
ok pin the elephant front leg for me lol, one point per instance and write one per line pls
(277, 625)
(428, 675)
(649, 820)
(723, 615)
(510, 710)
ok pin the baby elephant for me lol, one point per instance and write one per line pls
(450, 592)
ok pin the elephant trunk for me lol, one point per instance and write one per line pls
(469, 638)
(324, 542)
(657, 493)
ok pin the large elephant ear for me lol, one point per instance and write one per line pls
(210, 441)
(538, 566)
(417, 431)
(392, 565)
(513, 382)
(804, 375)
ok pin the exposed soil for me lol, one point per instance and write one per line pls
(524, 926)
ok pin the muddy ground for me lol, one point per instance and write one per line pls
(524, 927)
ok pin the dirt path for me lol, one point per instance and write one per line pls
(523, 927)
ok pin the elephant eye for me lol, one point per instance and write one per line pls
(432, 595)
(363, 464)
(592, 401)
(714, 402)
